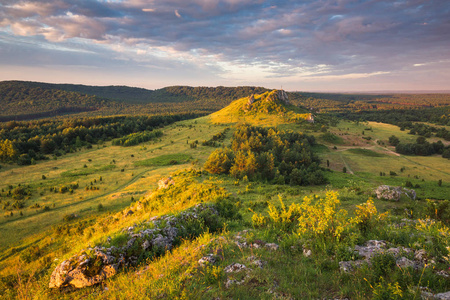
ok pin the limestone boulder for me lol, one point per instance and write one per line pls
(394, 193)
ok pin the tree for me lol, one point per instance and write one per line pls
(220, 161)
(393, 140)
(7, 150)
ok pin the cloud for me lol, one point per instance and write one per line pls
(282, 39)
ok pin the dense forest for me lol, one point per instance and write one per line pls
(402, 117)
(268, 154)
(363, 103)
(134, 95)
(27, 141)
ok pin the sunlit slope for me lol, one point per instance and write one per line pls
(267, 109)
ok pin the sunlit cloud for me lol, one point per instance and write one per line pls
(239, 41)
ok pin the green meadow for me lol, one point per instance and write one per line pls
(83, 199)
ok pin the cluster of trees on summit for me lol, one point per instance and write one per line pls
(283, 157)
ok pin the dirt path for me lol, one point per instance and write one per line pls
(133, 180)
(346, 165)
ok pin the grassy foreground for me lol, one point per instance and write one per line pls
(313, 227)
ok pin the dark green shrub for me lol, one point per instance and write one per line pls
(382, 265)
(226, 207)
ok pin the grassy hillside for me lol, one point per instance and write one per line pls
(267, 110)
(289, 239)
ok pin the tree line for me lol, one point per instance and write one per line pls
(27, 141)
(421, 147)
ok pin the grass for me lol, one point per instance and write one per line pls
(235, 114)
(365, 152)
(287, 273)
(331, 138)
(85, 172)
(165, 160)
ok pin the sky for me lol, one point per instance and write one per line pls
(318, 45)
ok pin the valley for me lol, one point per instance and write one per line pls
(61, 207)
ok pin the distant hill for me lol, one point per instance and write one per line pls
(22, 100)
(136, 95)
(269, 108)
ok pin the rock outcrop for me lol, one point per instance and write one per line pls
(282, 96)
(392, 193)
(374, 247)
(165, 183)
(94, 265)
(85, 270)
(251, 100)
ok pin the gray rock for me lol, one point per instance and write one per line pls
(421, 255)
(442, 296)
(282, 95)
(80, 271)
(398, 251)
(307, 252)
(387, 192)
(251, 100)
(272, 246)
(256, 262)
(234, 268)
(403, 262)
(349, 266)
(443, 274)
(146, 245)
(231, 282)
(209, 259)
(372, 248)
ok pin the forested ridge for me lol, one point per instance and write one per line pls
(22, 100)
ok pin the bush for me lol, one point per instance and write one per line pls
(393, 140)
(227, 208)
(69, 217)
(382, 265)
(19, 193)
(30, 254)
(439, 209)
